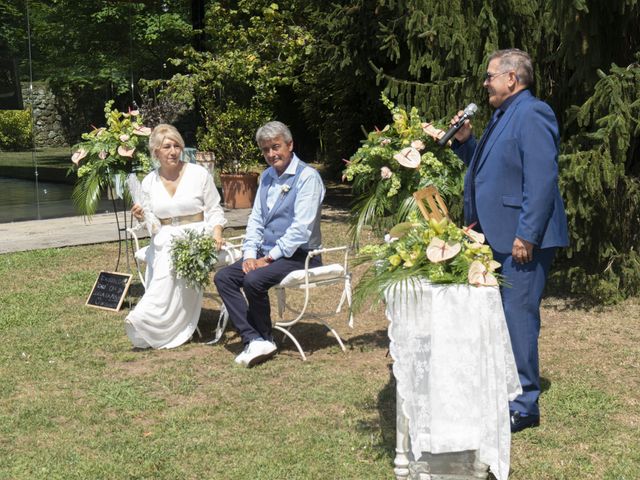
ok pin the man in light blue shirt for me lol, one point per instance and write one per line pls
(283, 226)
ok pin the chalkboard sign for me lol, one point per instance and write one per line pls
(109, 290)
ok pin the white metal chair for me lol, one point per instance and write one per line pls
(306, 281)
(229, 254)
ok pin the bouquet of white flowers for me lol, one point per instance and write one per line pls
(193, 256)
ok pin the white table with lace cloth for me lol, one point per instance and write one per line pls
(455, 373)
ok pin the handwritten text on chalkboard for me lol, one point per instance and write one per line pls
(109, 290)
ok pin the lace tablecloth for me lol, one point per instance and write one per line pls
(454, 369)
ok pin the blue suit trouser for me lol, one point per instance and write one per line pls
(251, 313)
(521, 297)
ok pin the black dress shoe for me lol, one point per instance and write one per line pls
(520, 422)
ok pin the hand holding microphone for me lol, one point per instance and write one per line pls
(459, 124)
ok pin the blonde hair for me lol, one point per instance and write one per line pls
(160, 133)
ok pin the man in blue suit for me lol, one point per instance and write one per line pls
(511, 194)
(283, 226)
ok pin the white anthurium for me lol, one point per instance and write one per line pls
(408, 157)
(473, 235)
(142, 131)
(418, 144)
(125, 152)
(78, 155)
(433, 132)
(479, 275)
(439, 250)
(386, 173)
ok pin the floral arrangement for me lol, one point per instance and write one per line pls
(394, 162)
(193, 256)
(107, 154)
(439, 252)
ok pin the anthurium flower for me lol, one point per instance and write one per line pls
(386, 173)
(473, 235)
(78, 155)
(439, 250)
(432, 131)
(408, 157)
(142, 131)
(103, 154)
(418, 144)
(385, 141)
(480, 275)
(125, 151)
(124, 137)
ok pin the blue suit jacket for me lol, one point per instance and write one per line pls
(516, 178)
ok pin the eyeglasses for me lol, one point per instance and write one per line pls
(490, 76)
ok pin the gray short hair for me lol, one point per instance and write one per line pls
(271, 130)
(158, 135)
(516, 60)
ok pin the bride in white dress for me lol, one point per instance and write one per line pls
(176, 196)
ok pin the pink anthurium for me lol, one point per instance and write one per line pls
(124, 137)
(386, 173)
(418, 144)
(103, 154)
(439, 250)
(143, 131)
(432, 131)
(78, 155)
(473, 235)
(408, 157)
(125, 152)
(481, 276)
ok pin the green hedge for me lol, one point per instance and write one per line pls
(15, 130)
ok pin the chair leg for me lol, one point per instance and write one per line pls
(335, 334)
(293, 339)
(223, 319)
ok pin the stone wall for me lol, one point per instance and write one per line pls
(48, 129)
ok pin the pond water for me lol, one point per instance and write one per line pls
(21, 200)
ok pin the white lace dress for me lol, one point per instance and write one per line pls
(168, 312)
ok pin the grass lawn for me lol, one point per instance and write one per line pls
(76, 402)
(58, 157)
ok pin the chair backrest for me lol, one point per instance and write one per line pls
(431, 204)
(189, 154)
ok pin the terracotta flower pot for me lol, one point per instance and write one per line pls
(239, 189)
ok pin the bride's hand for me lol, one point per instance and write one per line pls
(138, 212)
(219, 242)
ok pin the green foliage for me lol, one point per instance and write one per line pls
(438, 252)
(383, 187)
(117, 149)
(193, 256)
(599, 179)
(90, 51)
(253, 49)
(16, 130)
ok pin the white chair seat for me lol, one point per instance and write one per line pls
(297, 278)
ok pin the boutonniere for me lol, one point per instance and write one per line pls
(285, 189)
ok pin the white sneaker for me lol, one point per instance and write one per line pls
(242, 358)
(258, 351)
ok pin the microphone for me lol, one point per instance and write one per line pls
(471, 109)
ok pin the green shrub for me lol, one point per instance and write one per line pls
(15, 130)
